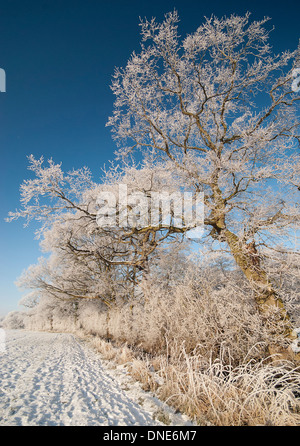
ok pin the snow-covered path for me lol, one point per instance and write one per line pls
(56, 379)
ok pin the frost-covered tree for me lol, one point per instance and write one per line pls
(219, 106)
(87, 260)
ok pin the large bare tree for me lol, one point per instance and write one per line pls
(219, 106)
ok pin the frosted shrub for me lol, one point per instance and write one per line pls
(14, 320)
(92, 317)
(192, 310)
(199, 319)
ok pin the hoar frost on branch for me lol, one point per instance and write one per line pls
(87, 260)
(197, 103)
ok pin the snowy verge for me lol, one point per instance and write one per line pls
(159, 410)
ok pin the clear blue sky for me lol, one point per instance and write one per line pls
(59, 56)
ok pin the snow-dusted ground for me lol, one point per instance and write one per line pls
(57, 379)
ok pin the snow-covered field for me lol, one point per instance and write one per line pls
(58, 379)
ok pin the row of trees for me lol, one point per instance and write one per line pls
(213, 113)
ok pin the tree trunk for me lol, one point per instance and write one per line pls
(265, 296)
